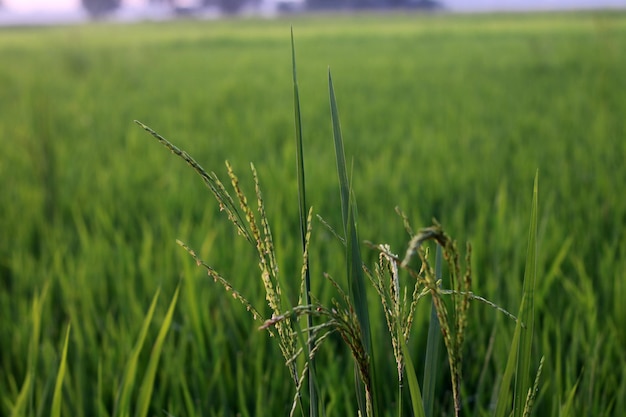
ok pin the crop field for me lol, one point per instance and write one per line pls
(449, 117)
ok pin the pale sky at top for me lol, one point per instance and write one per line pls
(50, 5)
(27, 6)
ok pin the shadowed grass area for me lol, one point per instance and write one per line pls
(444, 116)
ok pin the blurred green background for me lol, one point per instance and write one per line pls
(445, 116)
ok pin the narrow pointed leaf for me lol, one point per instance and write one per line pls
(19, 408)
(55, 411)
(147, 385)
(518, 363)
(526, 315)
(122, 407)
(414, 387)
(432, 347)
(355, 271)
(303, 226)
(20, 403)
(503, 405)
(356, 276)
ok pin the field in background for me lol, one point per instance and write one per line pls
(443, 116)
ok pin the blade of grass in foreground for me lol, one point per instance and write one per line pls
(19, 408)
(519, 355)
(20, 403)
(432, 347)
(55, 411)
(147, 385)
(122, 408)
(523, 379)
(313, 412)
(414, 387)
(503, 404)
(356, 276)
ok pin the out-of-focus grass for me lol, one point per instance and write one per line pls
(445, 116)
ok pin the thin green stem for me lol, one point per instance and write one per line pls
(313, 410)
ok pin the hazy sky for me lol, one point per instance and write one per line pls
(49, 5)
(41, 5)
(70, 5)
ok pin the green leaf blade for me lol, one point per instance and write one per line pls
(414, 388)
(518, 362)
(526, 314)
(433, 346)
(147, 385)
(302, 210)
(122, 407)
(356, 276)
(55, 411)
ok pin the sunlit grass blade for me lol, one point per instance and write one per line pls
(527, 314)
(147, 385)
(55, 410)
(122, 408)
(19, 408)
(302, 210)
(356, 276)
(21, 401)
(414, 388)
(433, 348)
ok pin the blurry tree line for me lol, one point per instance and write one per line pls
(373, 4)
(99, 8)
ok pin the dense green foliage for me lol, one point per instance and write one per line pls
(444, 116)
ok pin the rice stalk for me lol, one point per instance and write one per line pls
(340, 318)
(532, 392)
(255, 228)
(349, 317)
(398, 309)
(225, 201)
(452, 321)
(223, 281)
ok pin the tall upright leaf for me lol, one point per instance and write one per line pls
(417, 404)
(433, 347)
(518, 362)
(147, 385)
(313, 412)
(504, 394)
(356, 276)
(523, 378)
(122, 406)
(25, 396)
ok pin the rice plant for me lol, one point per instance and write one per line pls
(400, 282)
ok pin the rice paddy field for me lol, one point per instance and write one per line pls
(444, 116)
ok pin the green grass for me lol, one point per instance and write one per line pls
(444, 116)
